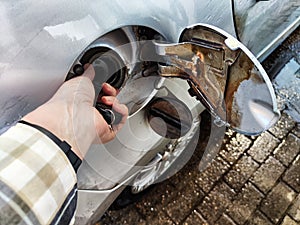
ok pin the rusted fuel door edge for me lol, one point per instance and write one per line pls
(224, 76)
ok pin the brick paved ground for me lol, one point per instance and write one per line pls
(252, 181)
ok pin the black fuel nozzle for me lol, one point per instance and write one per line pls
(109, 115)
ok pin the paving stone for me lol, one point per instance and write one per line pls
(195, 219)
(132, 217)
(258, 219)
(292, 176)
(214, 204)
(267, 175)
(156, 198)
(152, 206)
(235, 148)
(191, 174)
(105, 220)
(225, 220)
(277, 202)
(288, 149)
(294, 211)
(263, 146)
(147, 209)
(296, 130)
(159, 218)
(212, 174)
(230, 133)
(186, 198)
(241, 172)
(245, 204)
(288, 221)
(283, 126)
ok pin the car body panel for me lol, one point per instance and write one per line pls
(263, 25)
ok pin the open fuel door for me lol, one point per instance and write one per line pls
(224, 75)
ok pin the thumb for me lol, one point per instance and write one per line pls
(82, 90)
(103, 130)
(89, 71)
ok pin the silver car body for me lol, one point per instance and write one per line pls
(40, 41)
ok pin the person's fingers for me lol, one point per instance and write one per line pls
(109, 90)
(123, 110)
(116, 106)
(104, 132)
(89, 71)
(109, 100)
(76, 90)
(85, 91)
(120, 108)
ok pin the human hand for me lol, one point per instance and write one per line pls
(71, 116)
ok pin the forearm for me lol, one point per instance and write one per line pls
(37, 181)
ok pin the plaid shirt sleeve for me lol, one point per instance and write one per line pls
(37, 181)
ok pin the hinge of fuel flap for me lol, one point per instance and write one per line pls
(222, 74)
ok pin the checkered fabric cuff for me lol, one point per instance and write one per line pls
(37, 181)
(64, 146)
